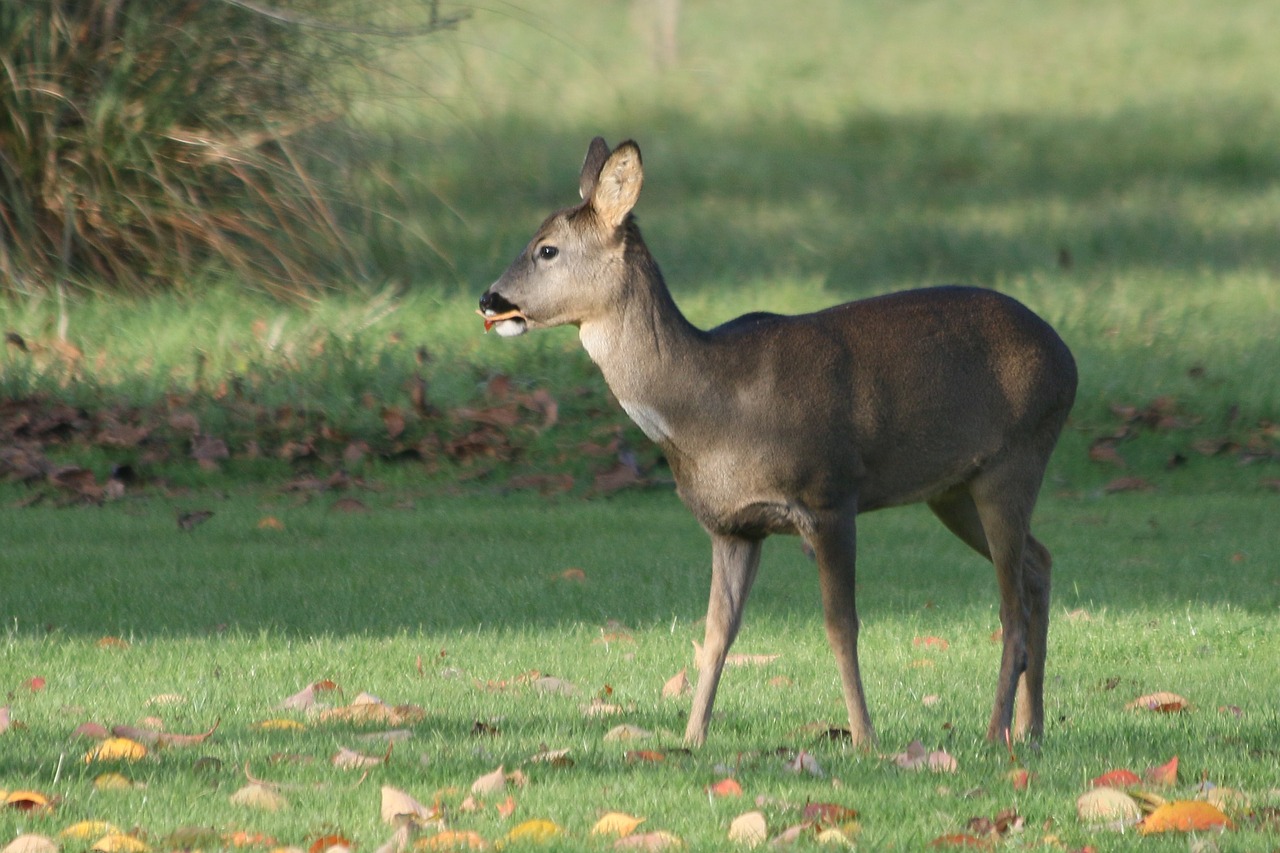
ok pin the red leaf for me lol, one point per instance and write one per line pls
(35, 685)
(1165, 774)
(725, 788)
(1116, 779)
(931, 643)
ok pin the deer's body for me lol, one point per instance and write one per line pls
(795, 424)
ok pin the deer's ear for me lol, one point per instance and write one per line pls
(616, 190)
(597, 153)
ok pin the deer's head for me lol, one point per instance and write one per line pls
(573, 269)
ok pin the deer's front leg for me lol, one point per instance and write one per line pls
(734, 562)
(835, 546)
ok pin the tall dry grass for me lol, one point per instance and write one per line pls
(146, 143)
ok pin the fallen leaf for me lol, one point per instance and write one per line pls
(398, 807)
(749, 828)
(270, 522)
(645, 756)
(554, 757)
(1185, 816)
(835, 837)
(85, 829)
(556, 686)
(1128, 484)
(626, 732)
(1020, 778)
(490, 783)
(258, 796)
(31, 843)
(349, 759)
(677, 685)
(616, 823)
(116, 749)
(750, 660)
(507, 807)
(306, 698)
(572, 575)
(804, 762)
(656, 840)
(959, 839)
(1116, 779)
(329, 843)
(931, 643)
(917, 757)
(452, 839)
(112, 782)
(96, 731)
(790, 835)
(828, 814)
(35, 684)
(1166, 774)
(1106, 805)
(367, 709)
(118, 842)
(727, 787)
(279, 724)
(5, 722)
(534, 830)
(1162, 702)
(28, 801)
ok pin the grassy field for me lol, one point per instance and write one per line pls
(1114, 166)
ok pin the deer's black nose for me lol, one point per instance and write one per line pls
(491, 301)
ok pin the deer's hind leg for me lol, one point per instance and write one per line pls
(1022, 573)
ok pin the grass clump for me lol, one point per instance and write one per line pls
(144, 141)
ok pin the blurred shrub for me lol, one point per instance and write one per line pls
(144, 143)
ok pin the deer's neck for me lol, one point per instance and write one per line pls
(651, 356)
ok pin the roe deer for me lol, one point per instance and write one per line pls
(953, 396)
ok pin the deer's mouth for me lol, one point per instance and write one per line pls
(508, 323)
(500, 314)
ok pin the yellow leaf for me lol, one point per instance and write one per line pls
(835, 838)
(258, 796)
(534, 830)
(86, 829)
(452, 839)
(116, 749)
(29, 801)
(616, 823)
(1185, 816)
(118, 842)
(279, 724)
(749, 829)
(112, 782)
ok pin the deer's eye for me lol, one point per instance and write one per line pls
(546, 253)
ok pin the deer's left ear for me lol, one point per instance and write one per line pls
(597, 153)
(616, 190)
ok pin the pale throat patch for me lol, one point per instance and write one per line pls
(649, 420)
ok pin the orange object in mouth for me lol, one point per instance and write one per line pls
(491, 320)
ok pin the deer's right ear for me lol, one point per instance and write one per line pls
(616, 190)
(597, 153)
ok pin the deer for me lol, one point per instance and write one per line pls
(950, 396)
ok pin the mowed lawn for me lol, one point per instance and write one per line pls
(1113, 166)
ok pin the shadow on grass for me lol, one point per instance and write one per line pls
(466, 565)
(880, 201)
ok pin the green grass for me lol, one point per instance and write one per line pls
(425, 604)
(1113, 166)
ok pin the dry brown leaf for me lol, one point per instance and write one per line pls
(258, 796)
(398, 808)
(1128, 484)
(490, 783)
(656, 840)
(676, 686)
(626, 732)
(1161, 701)
(749, 829)
(31, 843)
(917, 757)
(1106, 805)
(349, 759)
